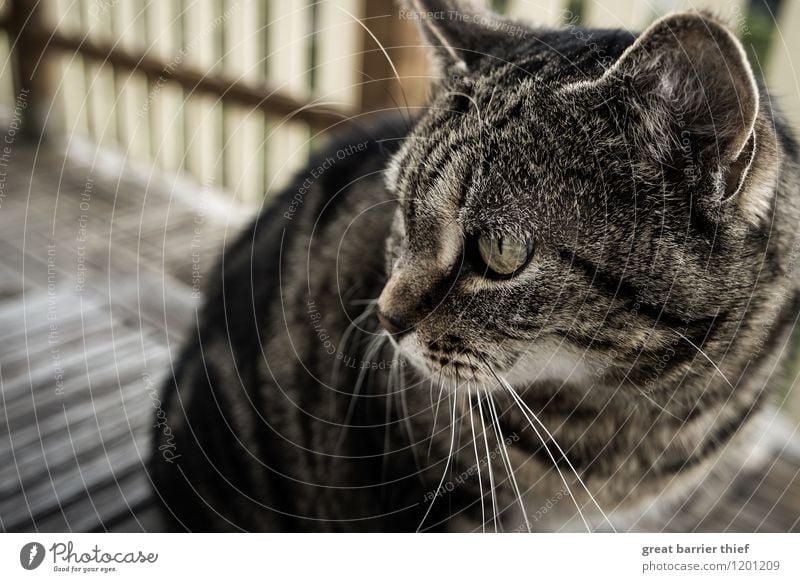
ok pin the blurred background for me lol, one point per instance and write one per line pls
(138, 137)
(235, 92)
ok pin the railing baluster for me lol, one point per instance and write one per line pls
(617, 14)
(288, 61)
(100, 77)
(7, 96)
(784, 62)
(71, 84)
(131, 86)
(242, 128)
(539, 12)
(129, 81)
(202, 118)
(162, 106)
(32, 77)
(338, 51)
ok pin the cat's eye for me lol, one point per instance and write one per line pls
(504, 255)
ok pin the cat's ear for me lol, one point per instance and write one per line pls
(460, 32)
(693, 75)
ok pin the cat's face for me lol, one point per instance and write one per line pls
(571, 223)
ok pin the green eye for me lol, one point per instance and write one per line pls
(504, 255)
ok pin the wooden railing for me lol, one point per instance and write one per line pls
(234, 92)
(231, 91)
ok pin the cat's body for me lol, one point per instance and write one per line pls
(640, 333)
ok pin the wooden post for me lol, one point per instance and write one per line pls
(32, 80)
(401, 41)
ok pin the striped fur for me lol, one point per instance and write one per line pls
(628, 355)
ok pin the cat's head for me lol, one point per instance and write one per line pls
(573, 201)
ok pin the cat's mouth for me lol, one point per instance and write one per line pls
(447, 360)
(450, 359)
(451, 364)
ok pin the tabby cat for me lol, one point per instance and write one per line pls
(556, 297)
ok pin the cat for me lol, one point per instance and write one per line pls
(556, 297)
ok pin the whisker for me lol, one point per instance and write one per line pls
(447, 463)
(376, 344)
(477, 460)
(387, 424)
(652, 401)
(488, 462)
(557, 468)
(435, 414)
(363, 302)
(504, 452)
(383, 50)
(523, 407)
(346, 338)
(473, 101)
(705, 355)
(460, 417)
(407, 423)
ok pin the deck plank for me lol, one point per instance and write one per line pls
(76, 456)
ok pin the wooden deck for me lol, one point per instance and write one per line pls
(96, 290)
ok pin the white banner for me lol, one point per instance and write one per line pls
(406, 558)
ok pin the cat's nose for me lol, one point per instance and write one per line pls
(393, 325)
